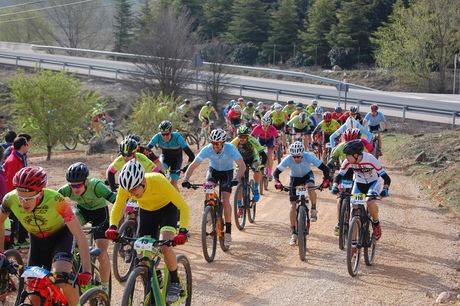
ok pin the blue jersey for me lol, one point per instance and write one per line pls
(173, 146)
(222, 161)
(350, 123)
(374, 120)
(299, 170)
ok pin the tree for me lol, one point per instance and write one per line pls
(144, 17)
(321, 18)
(283, 31)
(216, 16)
(379, 11)
(51, 106)
(17, 27)
(249, 24)
(124, 24)
(167, 44)
(420, 41)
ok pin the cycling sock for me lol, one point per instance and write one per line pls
(313, 206)
(376, 222)
(228, 228)
(293, 231)
(174, 277)
(105, 286)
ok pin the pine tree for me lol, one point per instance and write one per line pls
(216, 17)
(144, 17)
(379, 11)
(123, 26)
(283, 31)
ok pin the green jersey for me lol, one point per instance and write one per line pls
(96, 195)
(295, 123)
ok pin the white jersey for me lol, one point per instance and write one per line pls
(366, 171)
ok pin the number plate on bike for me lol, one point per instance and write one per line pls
(358, 199)
(301, 190)
(208, 189)
(35, 272)
(144, 244)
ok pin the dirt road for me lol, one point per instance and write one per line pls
(417, 256)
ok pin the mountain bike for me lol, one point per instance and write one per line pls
(212, 222)
(344, 211)
(191, 138)
(303, 216)
(376, 144)
(317, 145)
(359, 236)
(11, 284)
(203, 132)
(147, 284)
(245, 192)
(279, 147)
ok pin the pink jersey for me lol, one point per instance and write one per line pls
(260, 132)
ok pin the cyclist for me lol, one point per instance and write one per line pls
(352, 113)
(144, 150)
(172, 144)
(241, 102)
(327, 126)
(289, 108)
(92, 197)
(234, 118)
(302, 125)
(299, 108)
(337, 157)
(350, 122)
(279, 120)
(99, 118)
(311, 108)
(337, 113)
(317, 116)
(205, 114)
(251, 151)
(159, 203)
(127, 150)
(367, 170)
(266, 133)
(222, 155)
(299, 162)
(261, 110)
(52, 225)
(228, 107)
(185, 110)
(374, 119)
(248, 113)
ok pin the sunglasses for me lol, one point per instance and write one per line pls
(76, 185)
(243, 137)
(297, 157)
(165, 134)
(127, 155)
(25, 199)
(216, 143)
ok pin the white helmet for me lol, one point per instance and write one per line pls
(260, 103)
(277, 107)
(237, 107)
(131, 175)
(319, 110)
(218, 135)
(266, 120)
(296, 148)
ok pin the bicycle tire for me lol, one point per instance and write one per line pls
(252, 205)
(70, 143)
(279, 153)
(192, 140)
(261, 185)
(371, 243)
(220, 228)
(96, 279)
(183, 267)
(354, 259)
(118, 135)
(140, 271)
(265, 181)
(302, 232)
(240, 221)
(95, 297)
(344, 222)
(127, 229)
(24, 295)
(13, 298)
(209, 216)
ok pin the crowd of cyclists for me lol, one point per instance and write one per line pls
(254, 133)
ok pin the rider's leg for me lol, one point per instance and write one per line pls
(70, 291)
(104, 260)
(270, 161)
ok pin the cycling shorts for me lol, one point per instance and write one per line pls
(151, 221)
(279, 127)
(269, 143)
(224, 177)
(370, 189)
(297, 181)
(98, 218)
(374, 128)
(235, 121)
(305, 131)
(174, 163)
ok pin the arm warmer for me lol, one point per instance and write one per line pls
(111, 180)
(386, 179)
(276, 174)
(189, 153)
(325, 170)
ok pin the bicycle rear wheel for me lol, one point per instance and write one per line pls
(95, 297)
(240, 217)
(184, 271)
(252, 205)
(192, 140)
(354, 246)
(208, 234)
(137, 290)
(118, 135)
(369, 248)
(123, 252)
(16, 282)
(69, 142)
(302, 232)
(344, 222)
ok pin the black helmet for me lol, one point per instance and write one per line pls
(165, 126)
(338, 109)
(290, 102)
(135, 137)
(353, 147)
(186, 101)
(77, 173)
(128, 146)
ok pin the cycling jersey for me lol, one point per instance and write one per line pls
(374, 120)
(278, 118)
(222, 161)
(172, 147)
(301, 169)
(264, 133)
(205, 112)
(250, 149)
(295, 122)
(248, 113)
(233, 115)
(310, 109)
(184, 109)
(96, 195)
(315, 119)
(47, 218)
(366, 171)
(338, 155)
(289, 109)
(327, 128)
(350, 123)
(158, 193)
(119, 162)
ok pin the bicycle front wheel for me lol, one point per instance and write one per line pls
(353, 246)
(16, 282)
(343, 222)
(252, 205)
(95, 297)
(208, 234)
(369, 248)
(239, 212)
(192, 140)
(123, 252)
(184, 273)
(70, 142)
(137, 290)
(302, 232)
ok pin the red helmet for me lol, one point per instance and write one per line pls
(32, 178)
(374, 107)
(327, 116)
(351, 134)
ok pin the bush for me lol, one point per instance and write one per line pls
(244, 54)
(342, 57)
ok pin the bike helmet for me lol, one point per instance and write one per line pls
(290, 102)
(186, 101)
(302, 117)
(314, 102)
(240, 99)
(135, 137)
(250, 104)
(244, 130)
(131, 175)
(266, 120)
(338, 109)
(218, 135)
(353, 147)
(260, 103)
(277, 107)
(319, 110)
(299, 105)
(77, 173)
(374, 107)
(351, 134)
(165, 126)
(31, 178)
(327, 116)
(353, 109)
(297, 148)
(236, 108)
(128, 146)
(208, 103)
(232, 102)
